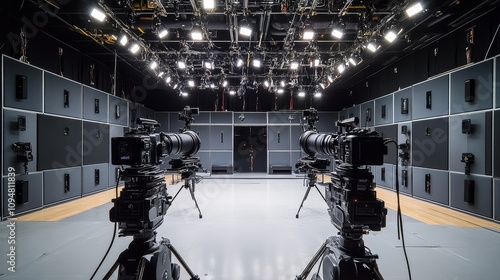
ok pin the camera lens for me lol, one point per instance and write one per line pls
(186, 143)
(312, 143)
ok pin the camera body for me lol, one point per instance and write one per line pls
(138, 148)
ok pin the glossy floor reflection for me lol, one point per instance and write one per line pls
(249, 231)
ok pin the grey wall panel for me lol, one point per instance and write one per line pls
(35, 195)
(403, 138)
(354, 112)
(389, 131)
(294, 157)
(221, 137)
(163, 120)
(295, 132)
(279, 117)
(114, 131)
(384, 176)
(496, 199)
(95, 105)
(174, 123)
(327, 121)
(34, 85)
(496, 136)
(383, 110)
(280, 158)
(402, 103)
(405, 180)
(438, 188)
(497, 84)
(62, 96)
(478, 142)
(92, 184)
(55, 188)
(95, 143)
(118, 111)
(278, 137)
(202, 117)
(481, 73)
(367, 117)
(250, 118)
(221, 117)
(482, 192)
(59, 142)
(430, 143)
(439, 92)
(221, 158)
(204, 132)
(343, 114)
(12, 134)
(296, 117)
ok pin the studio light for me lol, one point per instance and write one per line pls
(322, 85)
(330, 78)
(301, 93)
(280, 91)
(123, 40)
(224, 83)
(341, 68)
(245, 30)
(135, 48)
(168, 79)
(196, 34)
(191, 83)
(160, 74)
(153, 65)
(266, 83)
(282, 83)
(316, 62)
(294, 65)
(317, 94)
(256, 62)
(208, 64)
(308, 34)
(181, 64)
(208, 4)
(162, 33)
(353, 60)
(232, 92)
(414, 9)
(372, 47)
(98, 14)
(175, 86)
(184, 94)
(337, 33)
(239, 62)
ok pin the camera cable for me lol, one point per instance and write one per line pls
(399, 218)
(114, 233)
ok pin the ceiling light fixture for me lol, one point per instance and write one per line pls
(184, 94)
(239, 62)
(168, 79)
(256, 62)
(372, 47)
(196, 34)
(341, 68)
(301, 93)
(191, 83)
(232, 92)
(308, 34)
(224, 83)
(153, 65)
(181, 64)
(280, 91)
(208, 4)
(317, 94)
(414, 9)
(135, 48)
(208, 64)
(294, 65)
(337, 33)
(162, 33)
(123, 40)
(98, 14)
(266, 83)
(245, 28)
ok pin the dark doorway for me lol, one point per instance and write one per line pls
(250, 149)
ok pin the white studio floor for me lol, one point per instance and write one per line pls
(249, 231)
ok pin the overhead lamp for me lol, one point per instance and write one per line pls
(153, 65)
(354, 60)
(372, 47)
(175, 86)
(224, 83)
(162, 33)
(282, 83)
(123, 40)
(316, 62)
(294, 65)
(330, 78)
(317, 94)
(191, 83)
(212, 85)
(322, 85)
(181, 64)
(337, 33)
(414, 9)
(135, 48)
(280, 91)
(184, 94)
(256, 62)
(168, 79)
(208, 64)
(196, 34)
(341, 68)
(301, 93)
(266, 83)
(98, 14)
(208, 4)
(239, 62)
(232, 92)
(245, 28)
(392, 33)
(308, 34)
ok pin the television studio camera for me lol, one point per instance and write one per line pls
(143, 201)
(310, 164)
(187, 165)
(352, 203)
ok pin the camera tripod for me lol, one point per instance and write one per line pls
(145, 258)
(190, 184)
(344, 258)
(311, 182)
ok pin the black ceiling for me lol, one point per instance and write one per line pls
(277, 38)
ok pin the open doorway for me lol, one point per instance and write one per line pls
(250, 149)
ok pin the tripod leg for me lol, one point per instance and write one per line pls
(181, 260)
(111, 270)
(304, 199)
(191, 190)
(180, 189)
(320, 193)
(312, 262)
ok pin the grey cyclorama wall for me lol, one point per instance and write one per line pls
(68, 126)
(450, 123)
(217, 132)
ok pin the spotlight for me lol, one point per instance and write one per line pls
(98, 14)
(175, 86)
(224, 83)
(280, 91)
(239, 62)
(196, 34)
(330, 78)
(160, 74)
(184, 94)
(414, 9)
(322, 85)
(341, 68)
(354, 60)
(135, 48)
(317, 94)
(181, 64)
(153, 65)
(308, 34)
(256, 62)
(372, 47)
(208, 64)
(123, 40)
(282, 83)
(245, 30)
(191, 83)
(301, 93)
(168, 79)
(232, 92)
(266, 83)
(337, 33)
(294, 65)
(162, 33)
(316, 62)
(208, 4)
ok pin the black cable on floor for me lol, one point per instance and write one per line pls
(399, 217)
(114, 233)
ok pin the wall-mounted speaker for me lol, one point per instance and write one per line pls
(469, 187)
(428, 100)
(21, 87)
(469, 90)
